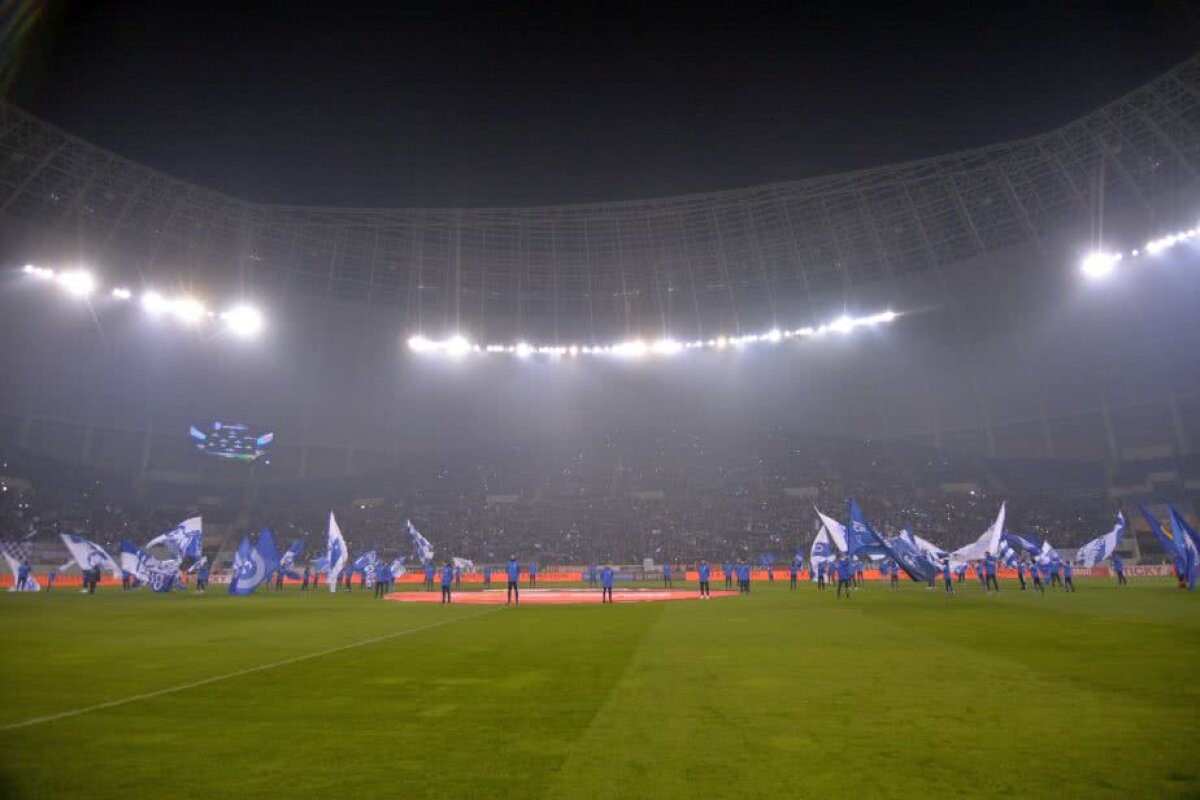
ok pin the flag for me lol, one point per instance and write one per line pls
(397, 567)
(1168, 544)
(203, 561)
(88, 554)
(336, 553)
(1101, 547)
(160, 575)
(1188, 544)
(15, 553)
(184, 540)
(987, 544)
(422, 545)
(288, 562)
(918, 564)
(465, 564)
(836, 532)
(1021, 544)
(861, 538)
(366, 564)
(253, 564)
(1007, 555)
(1048, 555)
(821, 552)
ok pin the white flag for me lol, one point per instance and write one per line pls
(1101, 547)
(336, 554)
(988, 543)
(837, 533)
(88, 554)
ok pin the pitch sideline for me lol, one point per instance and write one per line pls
(75, 712)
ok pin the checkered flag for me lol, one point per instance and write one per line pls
(16, 551)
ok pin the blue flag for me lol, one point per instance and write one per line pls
(861, 538)
(160, 576)
(920, 565)
(253, 564)
(1021, 544)
(1188, 544)
(1168, 544)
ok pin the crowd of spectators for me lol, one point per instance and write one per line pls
(675, 495)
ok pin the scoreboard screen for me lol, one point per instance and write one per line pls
(232, 440)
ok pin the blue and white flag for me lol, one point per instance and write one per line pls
(185, 540)
(1168, 543)
(1007, 555)
(1020, 544)
(861, 538)
(985, 545)
(366, 564)
(16, 553)
(919, 564)
(88, 554)
(836, 533)
(464, 564)
(423, 547)
(821, 552)
(397, 567)
(253, 564)
(287, 564)
(336, 554)
(1101, 547)
(1048, 555)
(1188, 544)
(201, 562)
(161, 576)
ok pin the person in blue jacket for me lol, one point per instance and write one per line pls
(50, 579)
(727, 569)
(487, 577)
(1021, 574)
(947, 577)
(513, 568)
(793, 574)
(430, 571)
(532, 574)
(743, 571)
(989, 571)
(845, 574)
(821, 565)
(1069, 576)
(666, 576)
(447, 580)
(23, 573)
(1119, 567)
(1035, 572)
(606, 584)
(703, 571)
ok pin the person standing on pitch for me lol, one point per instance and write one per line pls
(50, 579)
(821, 575)
(703, 571)
(532, 574)
(1117, 564)
(1035, 572)
(23, 575)
(514, 579)
(606, 584)
(727, 568)
(859, 574)
(1021, 574)
(1069, 576)
(279, 580)
(845, 574)
(666, 576)
(447, 580)
(592, 572)
(429, 570)
(202, 579)
(894, 571)
(487, 577)
(793, 574)
(305, 578)
(989, 570)
(743, 570)
(947, 577)
(457, 577)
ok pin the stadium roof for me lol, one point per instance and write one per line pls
(697, 261)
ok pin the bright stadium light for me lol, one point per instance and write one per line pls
(419, 344)
(457, 347)
(244, 321)
(666, 347)
(188, 310)
(1099, 264)
(842, 324)
(78, 282)
(154, 303)
(523, 350)
(122, 293)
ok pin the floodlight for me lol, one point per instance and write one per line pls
(457, 347)
(666, 347)
(78, 282)
(154, 303)
(187, 310)
(523, 350)
(122, 293)
(244, 321)
(1100, 264)
(842, 324)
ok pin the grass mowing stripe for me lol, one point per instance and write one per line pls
(238, 673)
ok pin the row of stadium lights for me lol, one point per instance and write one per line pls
(460, 347)
(1101, 264)
(241, 320)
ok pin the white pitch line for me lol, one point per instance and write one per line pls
(12, 726)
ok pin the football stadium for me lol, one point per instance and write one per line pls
(894, 474)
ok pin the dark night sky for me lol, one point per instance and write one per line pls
(499, 104)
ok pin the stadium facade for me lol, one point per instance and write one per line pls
(1001, 349)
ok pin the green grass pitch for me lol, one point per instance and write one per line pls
(903, 694)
